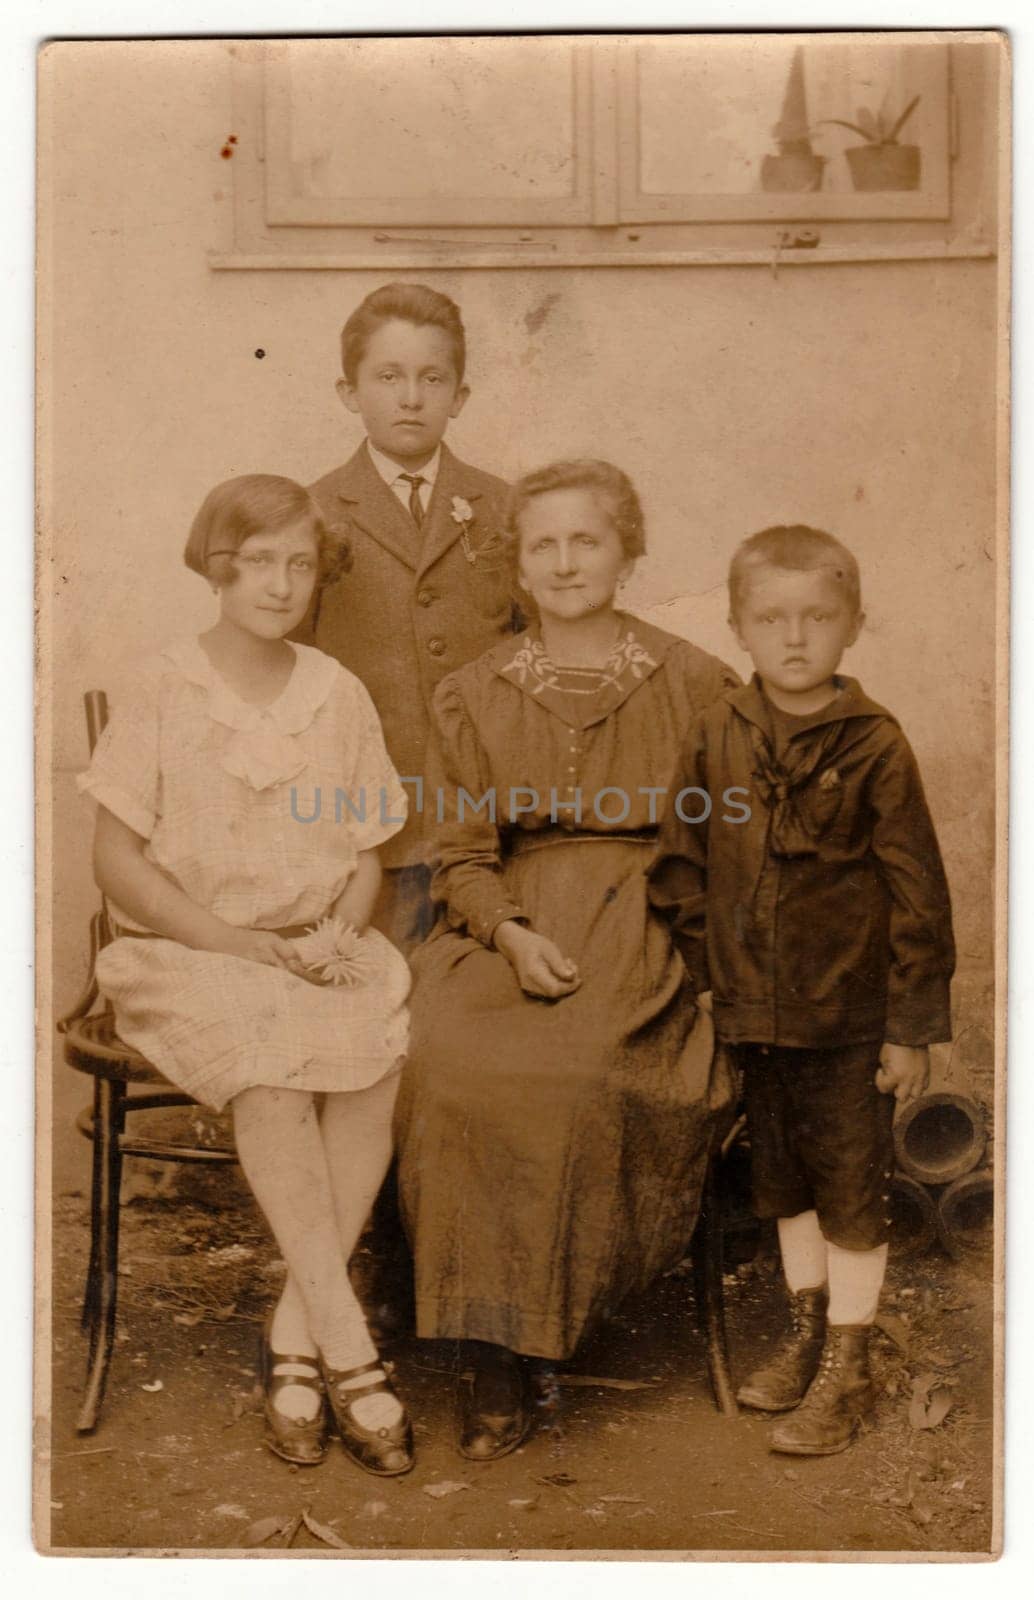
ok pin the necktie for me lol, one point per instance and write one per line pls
(416, 507)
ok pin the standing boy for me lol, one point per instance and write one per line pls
(826, 948)
(427, 587)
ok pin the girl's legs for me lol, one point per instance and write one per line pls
(282, 1152)
(356, 1131)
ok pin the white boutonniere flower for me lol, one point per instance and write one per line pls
(464, 515)
(830, 779)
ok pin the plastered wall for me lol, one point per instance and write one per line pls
(860, 398)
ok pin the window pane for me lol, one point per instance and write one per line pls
(454, 118)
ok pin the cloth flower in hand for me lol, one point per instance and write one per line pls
(335, 954)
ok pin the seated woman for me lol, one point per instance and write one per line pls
(559, 1099)
(242, 789)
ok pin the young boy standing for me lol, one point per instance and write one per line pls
(427, 586)
(826, 946)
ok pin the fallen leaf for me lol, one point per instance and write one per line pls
(265, 1529)
(291, 1531)
(320, 1530)
(188, 1319)
(930, 1402)
(523, 1505)
(595, 1513)
(153, 1386)
(438, 1491)
(621, 1499)
(374, 1508)
(895, 1330)
(559, 1480)
(237, 1512)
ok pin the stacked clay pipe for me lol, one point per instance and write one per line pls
(937, 1192)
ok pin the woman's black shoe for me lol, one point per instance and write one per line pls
(386, 1452)
(494, 1410)
(300, 1440)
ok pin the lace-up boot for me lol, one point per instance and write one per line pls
(841, 1394)
(783, 1381)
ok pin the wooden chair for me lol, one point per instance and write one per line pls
(92, 1046)
(707, 1255)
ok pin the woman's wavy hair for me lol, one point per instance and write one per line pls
(602, 479)
(257, 502)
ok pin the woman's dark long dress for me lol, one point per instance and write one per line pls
(551, 1153)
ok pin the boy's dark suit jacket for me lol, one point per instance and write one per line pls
(414, 605)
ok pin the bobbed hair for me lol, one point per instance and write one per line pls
(402, 302)
(605, 481)
(794, 548)
(257, 502)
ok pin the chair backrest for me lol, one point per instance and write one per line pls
(96, 703)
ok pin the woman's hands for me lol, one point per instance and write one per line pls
(542, 969)
(904, 1071)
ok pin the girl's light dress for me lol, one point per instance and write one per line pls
(256, 813)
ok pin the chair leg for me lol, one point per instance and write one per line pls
(102, 1277)
(710, 1295)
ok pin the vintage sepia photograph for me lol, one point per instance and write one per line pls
(522, 714)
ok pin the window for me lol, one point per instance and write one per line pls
(645, 149)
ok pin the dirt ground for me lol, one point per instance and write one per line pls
(629, 1453)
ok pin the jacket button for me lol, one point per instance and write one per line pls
(425, 597)
(436, 646)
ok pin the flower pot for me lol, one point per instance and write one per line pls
(884, 166)
(792, 174)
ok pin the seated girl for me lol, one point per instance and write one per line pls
(560, 1097)
(243, 788)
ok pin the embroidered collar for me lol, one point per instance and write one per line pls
(264, 750)
(580, 695)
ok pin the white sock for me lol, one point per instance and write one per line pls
(289, 1333)
(855, 1281)
(803, 1250)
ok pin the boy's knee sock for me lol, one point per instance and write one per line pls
(855, 1281)
(803, 1250)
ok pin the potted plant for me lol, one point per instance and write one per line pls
(882, 163)
(796, 169)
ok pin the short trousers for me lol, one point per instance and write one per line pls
(820, 1138)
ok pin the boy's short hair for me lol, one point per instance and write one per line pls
(598, 476)
(402, 302)
(234, 511)
(794, 549)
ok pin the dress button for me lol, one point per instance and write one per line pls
(436, 646)
(425, 597)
